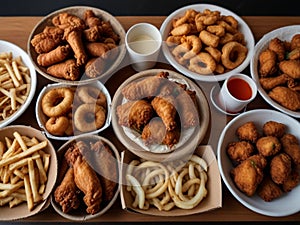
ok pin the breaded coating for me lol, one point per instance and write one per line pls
(268, 145)
(291, 146)
(290, 67)
(291, 182)
(280, 168)
(286, 97)
(239, 151)
(267, 62)
(248, 132)
(273, 128)
(295, 42)
(269, 83)
(249, 174)
(268, 190)
(278, 47)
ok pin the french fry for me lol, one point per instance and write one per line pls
(33, 181)
(20, 141)
(29, 198)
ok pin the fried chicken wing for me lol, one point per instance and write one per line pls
(292, 181)
(269, 83)
(278, 47)
(248, 132)
(290, 67)
(65, 20)
(155, 133)
(295, 42)
(273, 128)
(249, 174)
(144, 88)
(286, 97)
(268, 145)
(135, 114)
(166, 110)
(66, 194)
(267, 63)
(268, 190)
(291, 146)
(85, 177)
(280, 168)
(239, 151)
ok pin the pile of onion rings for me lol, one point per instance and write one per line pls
(179, 184)
(207, 42)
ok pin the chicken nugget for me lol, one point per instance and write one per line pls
(239, 151)
(268, 190)
(273, 128)
(249, 174)
(291, 182)
(248, 132)
(268, 146)
(280, 168)
(291, 146)
(286, 97)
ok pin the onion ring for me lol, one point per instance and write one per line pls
(57, 101)
(233, 54)
(88, 117)
(89, 94)
(57, 125)
(203, 63)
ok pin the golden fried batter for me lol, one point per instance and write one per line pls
(248, 132)
(290, 67)
(273, 128)
(295, 42)
(286, 97)
(268, 190)
(291, 182)
(249, 174)
(291, 146)
(280, 168)
(239, 151)
(268, 146)
(267, 62)
(278, 47)
(269, 83)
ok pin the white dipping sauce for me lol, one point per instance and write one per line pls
(143, 44)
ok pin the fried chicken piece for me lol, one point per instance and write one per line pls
(290, 67)
(267, 63)
(294, 54)
(105, 163)
(66, 194)
(268, 190)
(295, 42)
(187, 109)
(67, 70)
(280, 168)
(292, 181)
(239, 151)
(47, 40)
(273, 128)
(249, 174)
(85, 177)
(165, 108)
(56, 55)
(269, 83)
(97, 49)
(286, 97)
(74, 37)
(66, 20)
(155, 133)
(278, 47)
(94, 67)
(145, 88)
(248, 132)
(268, 146)
(92, 34)
(91, 20)
(135, 114)
(291, 146)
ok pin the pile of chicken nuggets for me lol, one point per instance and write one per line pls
(266, 163)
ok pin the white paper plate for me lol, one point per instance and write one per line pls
(243, 27)
(284, 34)
(285, 205)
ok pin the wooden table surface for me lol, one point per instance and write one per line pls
(17, 30)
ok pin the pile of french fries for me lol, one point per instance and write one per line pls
(14, 84)
(24, 166)
(166, 185)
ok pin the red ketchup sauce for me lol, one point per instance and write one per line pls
(239, 89)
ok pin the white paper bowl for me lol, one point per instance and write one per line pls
(42, 118)
(80, 213)
(78, 11)
(285, 205)
(16, 52)
(21, 211)
(243, 27)
(284, 34)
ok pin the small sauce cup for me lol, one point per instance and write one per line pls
(143, 42)
(236, 92)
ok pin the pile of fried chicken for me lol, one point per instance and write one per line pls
(158, 109)
(267, 164)
(279, 71)
(91, 172)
